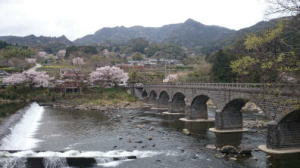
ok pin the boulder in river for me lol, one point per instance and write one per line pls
(186, 131)
(245, 151)
(228, 149)
(210, 146)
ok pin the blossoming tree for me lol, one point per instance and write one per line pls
(14, 79)
(32, 78)
(78, 61)
(37, 78)
(108, 74)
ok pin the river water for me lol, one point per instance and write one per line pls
(54, 138)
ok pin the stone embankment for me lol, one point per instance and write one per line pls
(86, 107)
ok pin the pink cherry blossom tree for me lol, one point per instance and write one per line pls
(171, 78)
(78, 61)
(32, 78)
(15, 79)
(112, 74)
(37, 78)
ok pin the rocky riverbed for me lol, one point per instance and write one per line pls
(147, 138)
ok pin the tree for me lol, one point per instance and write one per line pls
(33, 78)
(145, 77)
(78, 61)
(112, 74)
(268, 55)
(37, 78)
(139, 45)
(221, 70)
(286, 7)
(15, 79)
(137, 57)
(3, 44)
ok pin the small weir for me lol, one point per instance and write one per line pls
(21, 135)
(48, 159)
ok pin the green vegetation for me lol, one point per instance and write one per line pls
(88, 96)
(145, 77)
(99, 96)
(267, 56)
(12, 58)
(9, 108)
(137, 57)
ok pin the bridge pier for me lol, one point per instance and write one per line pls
(163, 101)
(175, 111)
(230, 119)
(197, 112)
(283, 135)
(176, 108)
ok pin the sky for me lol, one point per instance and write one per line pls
(77, 18)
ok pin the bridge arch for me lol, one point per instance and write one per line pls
(163, 99)
(177, 103)
(152, 96)
(231, 116)
(198, 107)
(284, 133)
(144, 94)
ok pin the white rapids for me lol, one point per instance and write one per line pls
(22, 134)
(104, 159)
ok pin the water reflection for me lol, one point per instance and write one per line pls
(232, 139)
(284, 161)
(172, 124)
(199, 128)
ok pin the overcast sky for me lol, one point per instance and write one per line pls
(76, 18)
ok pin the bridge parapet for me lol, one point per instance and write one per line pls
(269, 88)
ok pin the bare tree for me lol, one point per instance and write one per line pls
(283, 7)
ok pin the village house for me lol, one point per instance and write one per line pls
(71, 80)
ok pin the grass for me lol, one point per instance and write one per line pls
(11, 69)
(10, 108)
(88, 96)
(98, 96)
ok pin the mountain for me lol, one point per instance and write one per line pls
(238, 36)
(189, 34)
(34, 41)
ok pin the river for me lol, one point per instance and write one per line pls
(54, 138)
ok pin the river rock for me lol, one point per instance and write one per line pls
(131, 157)
(219, 155)
(233, 158)
(186, 131)
(245, 151)
(140, 126)
(151, 129)
(210, 146)
(229, 150)
(138, 141)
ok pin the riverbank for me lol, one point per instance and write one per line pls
(88, 99)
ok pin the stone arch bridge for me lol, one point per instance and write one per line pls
(277, 101)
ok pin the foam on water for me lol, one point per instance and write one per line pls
(21, 136)
(104, 159)
(85, 154)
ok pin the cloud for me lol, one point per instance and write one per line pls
(76, 18)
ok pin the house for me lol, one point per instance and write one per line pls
(71, 80)
(72, 74)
